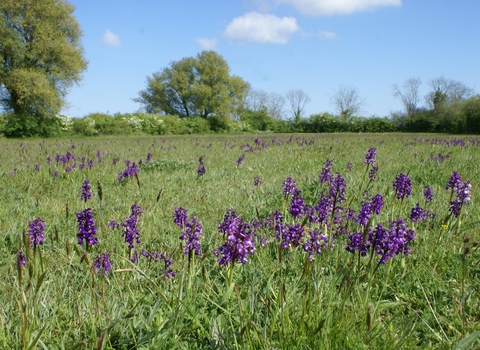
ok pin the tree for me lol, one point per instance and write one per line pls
(41, 56)
(256, 100)
(297, 99)
(200, 86)
(446, 92)
(275, 105)
(409, 95)
(347, 101)
(471, 112)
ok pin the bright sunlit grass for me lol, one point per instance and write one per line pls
(255, 261)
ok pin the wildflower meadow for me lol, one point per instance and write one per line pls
(271, 241)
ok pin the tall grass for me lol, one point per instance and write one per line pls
(280, 298)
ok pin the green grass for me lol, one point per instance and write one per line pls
(279, 299)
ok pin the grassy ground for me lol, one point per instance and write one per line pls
(279, 299)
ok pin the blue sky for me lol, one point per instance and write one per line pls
(279, 45)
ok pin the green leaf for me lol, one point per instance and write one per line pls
(37, 338)
(467, 342)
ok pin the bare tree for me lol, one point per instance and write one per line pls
(347, 101)
(275, 105)
(256, 100)
(297, 99)
(409, 94)
(448, 91)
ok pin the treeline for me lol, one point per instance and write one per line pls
(100, 124)
(462, 118)
(459, 118)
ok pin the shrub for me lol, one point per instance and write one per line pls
(84, 126)
(220, 123)
(196, 125)
(258, 120)
(471, 112)
(377, 124)
(103, 123)
(20, 126)
(3, 122)
(168, 125)
(65, 123)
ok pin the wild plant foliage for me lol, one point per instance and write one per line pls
(278, 241)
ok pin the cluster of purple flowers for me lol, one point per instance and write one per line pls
(201, 167)
(167, 263)
(85, 191)
(374, 205)
(462, 193)
(428, 194)
(64, 159)
(325, 173)
(419, 214)
(329, 203)
(102, 263)
(297, 206)
(240, 240)
(315, 244)
(289, 187)
(36, 232)
(130, 171)
(240, 160)
(86, 227)
(392, 242)
(402, 186)
(257, 181)
(337, 188)
(358, 242)
(192, 230)
(385, 243)
(288, 235)
(292, 235)
(370, 156)
(131, 232)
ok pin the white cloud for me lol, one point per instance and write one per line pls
(256, 27)
(336, 7)
(111, 39)
(207, 44)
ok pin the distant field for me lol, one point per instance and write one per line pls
(321, 264)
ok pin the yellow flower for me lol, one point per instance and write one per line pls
(444, 227)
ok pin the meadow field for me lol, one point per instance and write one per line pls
(271, 241)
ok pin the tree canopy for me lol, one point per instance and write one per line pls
(194, 86)
(41, 55)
